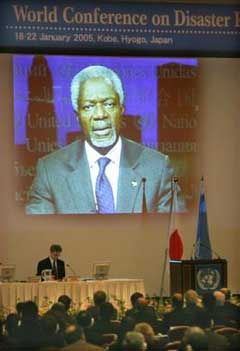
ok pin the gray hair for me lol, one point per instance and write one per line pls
(134, 341)
(95, 72)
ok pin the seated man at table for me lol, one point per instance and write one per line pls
(53, 262)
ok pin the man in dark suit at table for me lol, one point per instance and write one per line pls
(104, 172)
(53, 262)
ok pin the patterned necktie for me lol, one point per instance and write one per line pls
(54, 269)
(104, 194)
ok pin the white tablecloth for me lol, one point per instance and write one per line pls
(81, 292)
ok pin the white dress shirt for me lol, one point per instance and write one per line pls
(112, 169)
(52, 261)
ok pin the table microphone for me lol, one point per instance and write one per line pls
(71, 269)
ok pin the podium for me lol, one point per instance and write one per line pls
(201, 275)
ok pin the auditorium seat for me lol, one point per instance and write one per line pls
(227, 331)
(174, 345)
(108, 339)
(177, 332)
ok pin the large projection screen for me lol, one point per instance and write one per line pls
(196, 125)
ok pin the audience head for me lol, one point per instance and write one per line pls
(73, 333)
(134, 298)
(220, 298)
(29, 311)
(84, 320)
(227, 293)
(99, 297)
(177, 300)
(11, 324)
(106, 311)
(58, 307)
(66, 301)
(196, 338)
(134, 341)
(141, 303)
(209, 301)
(191, 297)
(146, 330)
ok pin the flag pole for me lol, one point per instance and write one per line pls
(174, 181)
(203, 249)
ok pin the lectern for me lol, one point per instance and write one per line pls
(201, 275)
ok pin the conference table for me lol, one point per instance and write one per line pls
(81, 292)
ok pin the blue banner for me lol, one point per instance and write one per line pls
(130, 27)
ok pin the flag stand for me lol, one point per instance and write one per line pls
(165, 259)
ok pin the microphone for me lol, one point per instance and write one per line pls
(71, 269)
(193, 252)
(144, 201)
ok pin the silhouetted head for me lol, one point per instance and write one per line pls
(177, 300)
(134, 298)
(73, 333)
(99, 297)
(66, 301)
(191, 297)
(29, 311)
(84, 319)
(196, 338)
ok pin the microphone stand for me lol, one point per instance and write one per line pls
(71, 269)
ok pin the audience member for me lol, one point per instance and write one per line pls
(75, 340)
(134, 341)
(141, 311)
(192, 312)
(99, 297)
(176, 315)
(196, 338)
(57, 329)
(29, 334)
(209, 306)
(104, 325)
(220, 317)
(232, 310)
(85, 321)
(154, 342)
(134, 298)
(66, 301)
(52, 336)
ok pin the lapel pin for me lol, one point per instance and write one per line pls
(134, 183)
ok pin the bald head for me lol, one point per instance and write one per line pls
(220, 298)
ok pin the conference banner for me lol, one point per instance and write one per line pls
(118, 26)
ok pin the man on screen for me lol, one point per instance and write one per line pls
(104, 172)
(53, 262)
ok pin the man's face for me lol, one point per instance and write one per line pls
(55, 254)
(99, 112)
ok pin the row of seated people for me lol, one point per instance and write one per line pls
(213, 309)
(26, 330)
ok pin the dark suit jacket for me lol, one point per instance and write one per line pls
(63, 182)
(173, 318)
(46, 264)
